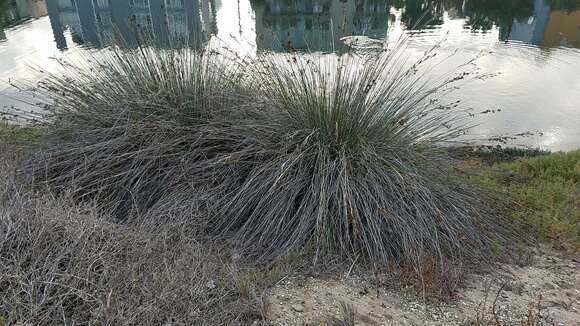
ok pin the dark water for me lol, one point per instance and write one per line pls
(535, 44)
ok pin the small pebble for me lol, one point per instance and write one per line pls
(297, 308)
(211, 284)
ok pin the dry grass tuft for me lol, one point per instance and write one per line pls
(63, 263)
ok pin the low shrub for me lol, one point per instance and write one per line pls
(67, 263)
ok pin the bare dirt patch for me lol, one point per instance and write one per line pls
(547, 292)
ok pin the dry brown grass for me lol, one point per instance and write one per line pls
(430, 281)
(61, 263)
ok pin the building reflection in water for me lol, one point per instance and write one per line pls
(562, 29)
(13, 12)
(103, 22)
(317, 25)
(281, 25)
(548, 26)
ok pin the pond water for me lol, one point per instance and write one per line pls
(535, 45)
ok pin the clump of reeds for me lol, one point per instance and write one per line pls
(340, 153)
(350, 158)
(121, 124)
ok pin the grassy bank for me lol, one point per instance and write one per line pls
(546, 188)
(18, 135)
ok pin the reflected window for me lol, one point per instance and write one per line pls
(139, 3)
(65, 3)
(317, 8)
(177, 23)
(70, 19)
(104, 18)
(103, 3)
(143, 23)
(177, 4)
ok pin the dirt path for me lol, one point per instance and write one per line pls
(545, 293)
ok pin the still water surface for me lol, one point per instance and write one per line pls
(535, 45)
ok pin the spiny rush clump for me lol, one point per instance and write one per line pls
(122, 124)
(348, 157)
(344, 154)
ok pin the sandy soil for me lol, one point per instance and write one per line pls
(547, 292)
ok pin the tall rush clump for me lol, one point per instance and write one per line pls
(123, 123)
(349, 158)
